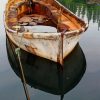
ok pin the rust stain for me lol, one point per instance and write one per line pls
(27, 35)
(30, 49)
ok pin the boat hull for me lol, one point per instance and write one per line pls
(47, 48)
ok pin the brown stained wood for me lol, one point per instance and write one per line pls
(55, 13)
(18, 10)
(25, 19)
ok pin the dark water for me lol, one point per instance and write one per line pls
(88, 88)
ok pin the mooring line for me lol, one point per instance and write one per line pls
(17, 50)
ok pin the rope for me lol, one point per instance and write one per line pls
(17, 50)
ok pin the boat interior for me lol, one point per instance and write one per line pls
(38, 12)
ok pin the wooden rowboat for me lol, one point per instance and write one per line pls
(43, 27)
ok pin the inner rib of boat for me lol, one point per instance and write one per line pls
(41, 14)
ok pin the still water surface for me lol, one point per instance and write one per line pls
(87, 89)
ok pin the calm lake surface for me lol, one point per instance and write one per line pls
(88, 88)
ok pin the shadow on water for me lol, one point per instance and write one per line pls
(44, 74)
(84, 10)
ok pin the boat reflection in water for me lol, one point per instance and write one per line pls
(46, 75)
